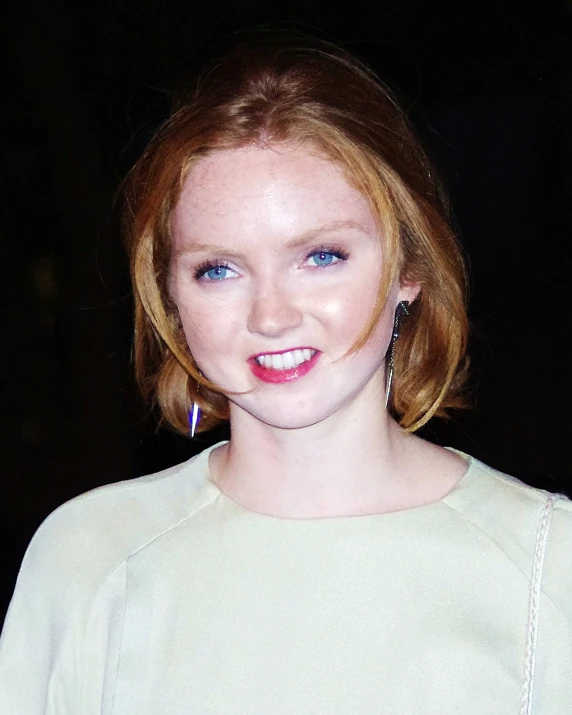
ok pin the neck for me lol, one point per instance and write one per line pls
(351, 463)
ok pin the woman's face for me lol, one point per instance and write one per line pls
(275, 271)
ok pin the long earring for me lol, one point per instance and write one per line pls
(401, 310)
(194, 415)
(194, 418)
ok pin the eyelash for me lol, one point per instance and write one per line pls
(338, 253)
(208, 265)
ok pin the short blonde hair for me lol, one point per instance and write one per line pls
(269, 92)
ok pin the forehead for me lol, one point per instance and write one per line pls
(279, 188)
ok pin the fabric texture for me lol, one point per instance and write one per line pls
(162, 595)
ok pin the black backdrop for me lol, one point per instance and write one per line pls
(488, 84)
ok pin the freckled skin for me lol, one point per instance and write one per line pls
(251, 203)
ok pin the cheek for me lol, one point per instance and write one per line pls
(349, 310)
(208, 328)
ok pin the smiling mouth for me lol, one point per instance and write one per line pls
(285, 361)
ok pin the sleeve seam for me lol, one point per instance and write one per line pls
(556, 607)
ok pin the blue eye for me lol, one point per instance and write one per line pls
(214, 272)
(218, 273)
(324, 258)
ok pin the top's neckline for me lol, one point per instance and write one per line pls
(237, 508)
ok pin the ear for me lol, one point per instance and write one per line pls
(408, 290)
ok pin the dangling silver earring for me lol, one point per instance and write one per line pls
(194, 418)
(194, 415)
(401, 310)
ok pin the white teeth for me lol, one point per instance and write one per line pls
(288, 360)
(285, 361)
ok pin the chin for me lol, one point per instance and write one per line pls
(291, 417)
(294, 423)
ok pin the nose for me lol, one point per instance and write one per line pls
(274, 311)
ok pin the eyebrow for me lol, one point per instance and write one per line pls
(297, 242)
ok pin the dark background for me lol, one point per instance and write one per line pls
(83, 85)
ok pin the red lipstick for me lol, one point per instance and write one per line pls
(273, 376)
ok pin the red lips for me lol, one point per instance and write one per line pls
(271, 375)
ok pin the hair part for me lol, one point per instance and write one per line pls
(309, 92)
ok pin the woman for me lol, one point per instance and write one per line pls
(294, 272)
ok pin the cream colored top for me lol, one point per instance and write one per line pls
(161, 595)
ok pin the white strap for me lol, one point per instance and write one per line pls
(534, 604)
